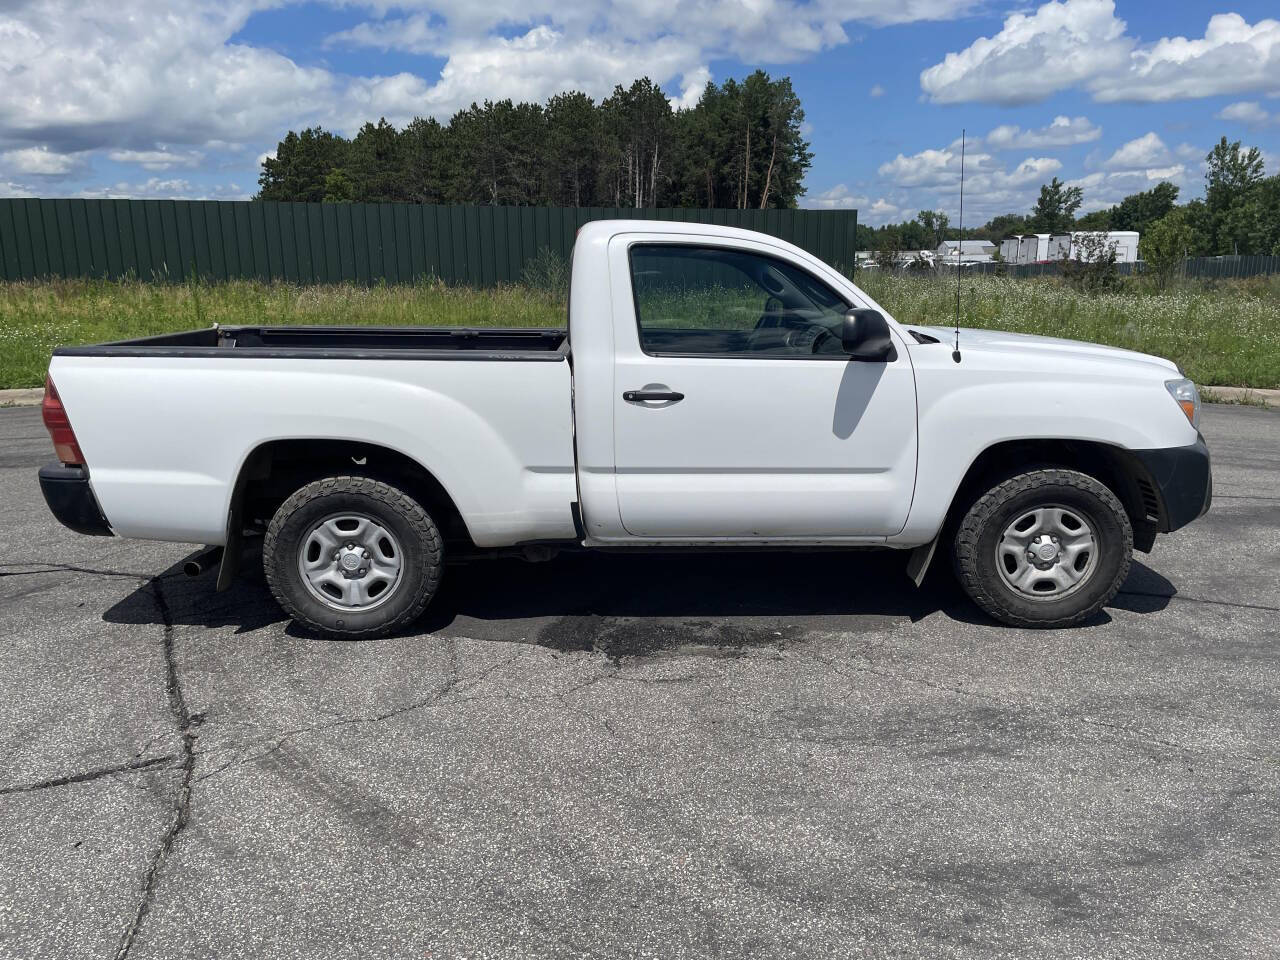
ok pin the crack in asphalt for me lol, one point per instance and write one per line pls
(453, 682)
(88, 775)
(1189, 599)
(72, 568)
(187, 724)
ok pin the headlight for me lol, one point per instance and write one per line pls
(1187, 397)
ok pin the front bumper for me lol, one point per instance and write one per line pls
(1183, 481)
(66, 490)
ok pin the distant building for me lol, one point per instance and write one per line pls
(970, 251)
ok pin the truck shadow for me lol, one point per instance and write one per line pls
(635, 604)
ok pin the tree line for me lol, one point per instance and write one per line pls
(740, 146)
(1239, 214)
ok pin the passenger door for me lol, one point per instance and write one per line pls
(737, 414)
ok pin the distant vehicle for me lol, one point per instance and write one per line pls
(1049, 248)
(965, 251)
(716, 388)
(1070, 246)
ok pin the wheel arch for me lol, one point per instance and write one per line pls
(274, 469)
(1115, 467)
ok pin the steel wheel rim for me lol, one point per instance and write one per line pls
(1047, 553)
(351, 562)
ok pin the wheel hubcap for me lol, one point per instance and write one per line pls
(350, 562)
(1047, 553)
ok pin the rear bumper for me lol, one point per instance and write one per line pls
(66, 490)
(1183, 481)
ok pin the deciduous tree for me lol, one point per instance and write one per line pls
(1164, 244)
(1055, 211)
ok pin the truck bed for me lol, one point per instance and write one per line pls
(322, 342)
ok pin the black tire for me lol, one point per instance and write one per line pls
(421, 555)
(979, 535)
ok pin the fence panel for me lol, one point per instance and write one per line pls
(175, 240)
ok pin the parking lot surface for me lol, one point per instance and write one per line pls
(770, 755)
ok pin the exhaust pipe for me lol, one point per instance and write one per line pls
(206, 559)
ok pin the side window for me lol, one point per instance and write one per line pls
(713, 301)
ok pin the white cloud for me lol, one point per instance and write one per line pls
(941, 168)
(1062, 132)
(1106, 189)
(79, 75)
(1059, 46)
(1139, 165)
(410, 34)
(38, 161)
(926, 168)
(1188, 153)
(692, 84)
(541, 62)
(882, 211)
(839, 197)
(1250, 113)
(176, 86)
(156, 188)
(1232, 57)
(876, 90)
(1082, 43)
(535, 48)
(1147, 150)
(82, 74)
(754, 31)
(1030, 172)
(930, 179)
(156, 159)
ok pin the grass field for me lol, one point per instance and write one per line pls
(1228, 334)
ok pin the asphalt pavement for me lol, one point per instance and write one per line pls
(781, 755)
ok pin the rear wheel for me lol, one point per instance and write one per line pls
(352, 557)
(1047, 548)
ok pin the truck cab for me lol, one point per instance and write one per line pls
(718, 403)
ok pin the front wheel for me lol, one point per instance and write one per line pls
(352, 557)
(1047, 548)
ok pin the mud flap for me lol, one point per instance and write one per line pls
(918, 562)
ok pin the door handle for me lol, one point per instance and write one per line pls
(640, 396)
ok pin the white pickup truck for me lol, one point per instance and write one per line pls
(715, 389)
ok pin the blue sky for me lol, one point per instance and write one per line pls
(150, 98)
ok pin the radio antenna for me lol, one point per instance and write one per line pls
(955, 354)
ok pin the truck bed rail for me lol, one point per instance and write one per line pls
(342, 343)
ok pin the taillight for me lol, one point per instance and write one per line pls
(55, 419)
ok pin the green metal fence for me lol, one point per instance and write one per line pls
(174, 240)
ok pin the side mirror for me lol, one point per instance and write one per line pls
(865, 336)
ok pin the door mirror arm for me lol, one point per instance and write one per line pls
(865, 336)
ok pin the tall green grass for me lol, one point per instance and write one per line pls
(1225, 334)
(36, 317)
